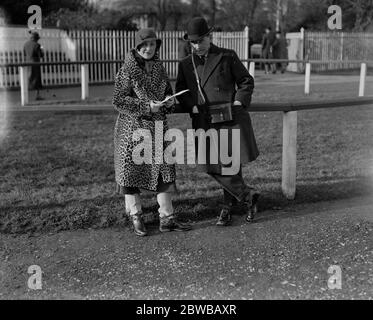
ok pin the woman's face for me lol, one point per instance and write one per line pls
(147, 49)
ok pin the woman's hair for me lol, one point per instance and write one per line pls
(157, 46)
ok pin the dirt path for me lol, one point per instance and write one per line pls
(285, 254)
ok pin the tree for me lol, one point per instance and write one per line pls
(361, 13)
(89, 19)
(162, 12)
(357, 14)
(16, 11)
(236, 14)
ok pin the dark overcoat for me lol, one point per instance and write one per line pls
(280, 49)
(133, 90)
(224, 79)
(34, 53)
(267, 43)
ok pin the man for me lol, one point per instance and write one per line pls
(267, 43)
(280, 51)
(34, 53)
(219, 71)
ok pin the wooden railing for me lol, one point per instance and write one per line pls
(84, 72)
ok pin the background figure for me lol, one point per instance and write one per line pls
(267, 43)
(251, 42)
(280, 51)
(184, 49)
(34, 53)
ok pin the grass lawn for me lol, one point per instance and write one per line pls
(56, 169)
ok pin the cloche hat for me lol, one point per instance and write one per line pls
(146, 34)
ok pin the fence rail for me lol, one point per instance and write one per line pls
(84, 75)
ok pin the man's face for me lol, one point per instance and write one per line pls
(201, 46)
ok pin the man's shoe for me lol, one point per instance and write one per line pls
(225, 217)
(138, 225)
(252, 208)
(167, 224)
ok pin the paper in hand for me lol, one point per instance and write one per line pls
(173, 96)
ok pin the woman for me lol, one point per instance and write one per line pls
(140, 85)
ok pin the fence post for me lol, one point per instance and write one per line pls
(363, 75)
(301, 49)
(289, 154)
(23, 80)
(84, 81)
(252, 69)
(307, 79)
(246, 46)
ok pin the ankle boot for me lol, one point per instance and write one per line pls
(252, 207)
(171, 223)
(138, 225)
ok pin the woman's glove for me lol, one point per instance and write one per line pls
(170, 103)
(155, 106)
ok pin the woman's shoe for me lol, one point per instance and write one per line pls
(138, 225)
(167, 224)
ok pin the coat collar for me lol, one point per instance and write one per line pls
(213, 58)
(137, 67)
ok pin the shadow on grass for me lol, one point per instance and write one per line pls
(108, 211)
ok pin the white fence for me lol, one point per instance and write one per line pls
(295, 42)
(342, 46)
(57, 46)
(101, 45)
(329, 46)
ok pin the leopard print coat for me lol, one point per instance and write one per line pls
(133, 90)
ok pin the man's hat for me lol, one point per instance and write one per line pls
(146, 34)
(34, 35)
(197, 29)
